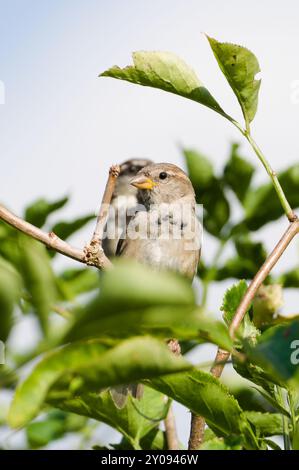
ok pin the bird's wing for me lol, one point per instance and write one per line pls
(139, 221)
(121, 246)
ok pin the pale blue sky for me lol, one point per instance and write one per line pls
(61, 126)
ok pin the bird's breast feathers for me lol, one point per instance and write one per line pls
(163, 242)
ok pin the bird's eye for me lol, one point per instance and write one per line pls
(163, 175)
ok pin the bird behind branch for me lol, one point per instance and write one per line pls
(163, 232)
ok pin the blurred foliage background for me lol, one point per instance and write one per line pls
(70, 306)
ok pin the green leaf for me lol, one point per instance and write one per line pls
(41, 433)
(279, 319)
(38, 212)
(126, 292)
(131, 284)
(262, 204)
(94, 365)
(250, 250)
(9, 249)
(236, 268)
(256, 374)
(5, 229)
(10, 292)
(272, 444)
(250, 399)
(238, 173)
(8, 377)
(164, 322)
(138, 300)
(200, 170)
(270, 397)
(209, 192)
(250, 256)
(166, 71)
(218, 443)
(154, 440)
(76, 281)
(56, 424)
(134, 421)
(38, 277)
(65, 229)
(290, 278)
(216, 208)
(277, 350)
(239, 66)
(232, 299)
(265, 424)
(205, 396)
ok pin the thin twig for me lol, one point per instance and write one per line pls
(94, 251)
(276, 184)
(261, 275)
(196, 432)
(172, 439)
(52, 241)
(197, 423)
(221, 359)
(106, 200)
(272, 174)
(170, 431)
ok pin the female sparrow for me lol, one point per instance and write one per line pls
(163, 233)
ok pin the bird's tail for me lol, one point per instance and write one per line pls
(120, 394)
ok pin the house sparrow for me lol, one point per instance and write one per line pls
(165, 233)
(123, 200)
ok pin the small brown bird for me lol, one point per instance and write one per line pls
(164, 233)
(167, 233)
(124, 199)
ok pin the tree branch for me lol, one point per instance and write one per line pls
(261, 275)
(172, 439)
(49, 239)
(196, 432)
(93, 251)
(52, 241)
(198, 423)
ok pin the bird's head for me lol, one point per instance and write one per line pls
(163, 183)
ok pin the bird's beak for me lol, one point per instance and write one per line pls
(142, 182)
